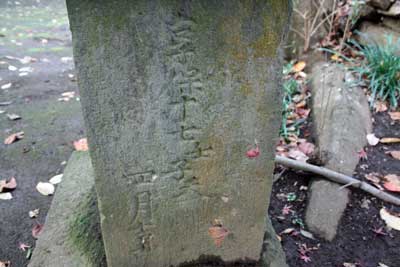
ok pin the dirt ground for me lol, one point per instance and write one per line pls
(356, 241)
(40, 29)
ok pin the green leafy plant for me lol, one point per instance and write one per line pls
(290, 87)
(381, 68)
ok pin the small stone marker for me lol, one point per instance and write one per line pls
(342, 121)
(174, 95)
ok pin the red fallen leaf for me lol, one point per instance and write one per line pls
(13, 138)
(37, 230)
(218, 233)
(287, 209)
(23, 246)
(362, 154)
(305, 258)
(303, 112)
(392, 182)
(11, 184)
(307, 148)
(253, 153)
(81, 145)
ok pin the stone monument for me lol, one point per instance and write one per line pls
(181, 100)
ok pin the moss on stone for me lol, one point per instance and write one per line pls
(85, 232)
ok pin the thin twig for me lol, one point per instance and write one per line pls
(338, 178)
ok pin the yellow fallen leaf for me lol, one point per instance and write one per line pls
(299, 66)
(391, 220)
(335, 57)
(389, 140)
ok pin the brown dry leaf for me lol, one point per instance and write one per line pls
(299, 66)
(218, 234)
(297, 155)
(302, 104)
(391, 220)
(37, 230)
(10, 185)
(380, 106)
(392, 182)
(390, 140)
(394, 154)
(375, 178)
(81, 145)
(13, 138)
(395, 116)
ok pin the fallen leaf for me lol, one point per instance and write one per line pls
(13, 117)
(392, 182)
(37, 230)
(13, 138)
(6, 86)
(5, 263)
(12, 68)
(335, 57)
(297, 155)
(390, 140)
(218, 233)
(391, 220)
(253, 153)
(23, 246)
(45, 189)
(81, 145)
(394, 154)
(287, 231)
(299, 66)
(5, 196)
(34, 213)
(395, 116)
(56, 179)
(307, 234)
(382, 265)
(11, 184)
(372, 139)
(305, 258)
(362, 154)
(347, 264)
(380, 106)
(307, 148)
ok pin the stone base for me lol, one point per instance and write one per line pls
(72, 238)
(59, 245)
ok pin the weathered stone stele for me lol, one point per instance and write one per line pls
(174, 93)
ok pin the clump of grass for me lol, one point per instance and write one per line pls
(85, 232)
(381, 67)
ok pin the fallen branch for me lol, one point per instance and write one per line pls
(338, 178)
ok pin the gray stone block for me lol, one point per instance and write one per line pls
(174, 93)
(342, 121)
(54, 247)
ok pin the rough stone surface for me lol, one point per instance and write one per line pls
(326, 205)
(392, 23)
(376, 34)
(381, 4)
(342, 121)
(174, 93)
(53, 247)
(394, 10)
